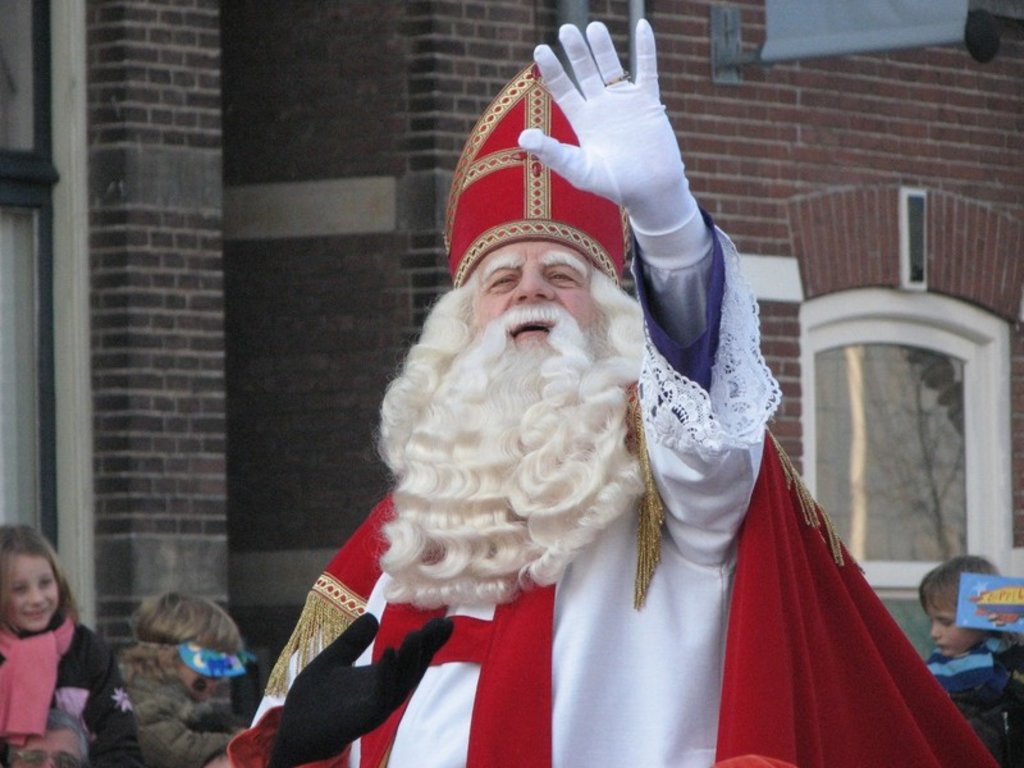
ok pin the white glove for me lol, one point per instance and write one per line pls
(628, 151)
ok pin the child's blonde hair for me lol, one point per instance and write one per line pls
(25, 540)
(941, 585)
(164, 621)
(173, 617)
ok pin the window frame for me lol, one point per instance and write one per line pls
(27, 179)
(908, 194)
(950, 327)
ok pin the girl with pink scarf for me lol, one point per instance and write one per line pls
(49, 660)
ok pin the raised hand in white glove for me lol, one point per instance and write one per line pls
(628, 151)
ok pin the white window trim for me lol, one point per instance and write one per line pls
(72, 368)
(953, 328)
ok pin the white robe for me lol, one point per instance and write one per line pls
(638, 688)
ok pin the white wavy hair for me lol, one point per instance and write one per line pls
(507, 461)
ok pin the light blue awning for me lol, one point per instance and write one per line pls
(797, 29)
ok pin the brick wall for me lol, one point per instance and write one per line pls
(312, 91)
(157, 314)
(313, 328)
(315, 325)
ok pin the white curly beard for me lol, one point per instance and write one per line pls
(509, 459)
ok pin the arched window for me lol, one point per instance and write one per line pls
(906, 427)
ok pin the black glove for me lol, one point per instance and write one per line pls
(331, 703)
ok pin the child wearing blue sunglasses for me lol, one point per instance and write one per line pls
(186, 646)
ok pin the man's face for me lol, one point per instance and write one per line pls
(532, 273)
(56, 748)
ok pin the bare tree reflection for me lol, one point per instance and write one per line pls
(891, 450)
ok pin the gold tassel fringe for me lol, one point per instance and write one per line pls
(814, 515)
(652, 509)
(320, 623)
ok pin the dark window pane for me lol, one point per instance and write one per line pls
(915, 237)
(16, 85)
(18, 383)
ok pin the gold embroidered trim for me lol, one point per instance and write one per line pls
(627, 240)
(548, 230)
(341, 596)
(538, 178)
(497, 161)
(652, 509)
(505, 101)
(814, 515)
(330, 608)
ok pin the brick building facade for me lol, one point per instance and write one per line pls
(157, 306)
(247, 234)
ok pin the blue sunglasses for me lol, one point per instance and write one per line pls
(210, 663)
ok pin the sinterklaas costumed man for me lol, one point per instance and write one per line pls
(594, 553)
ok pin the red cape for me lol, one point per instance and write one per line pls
(817, 672)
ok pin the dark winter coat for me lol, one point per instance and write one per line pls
(173, 730)
(1000, 723)
(90, 688)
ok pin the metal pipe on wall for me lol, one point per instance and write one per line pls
(578, 12)
(636, 12)
(573, 12)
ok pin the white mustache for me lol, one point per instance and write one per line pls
(564, 332)
(534, 314)
(564, 337)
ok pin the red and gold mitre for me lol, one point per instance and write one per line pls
(501, 194)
